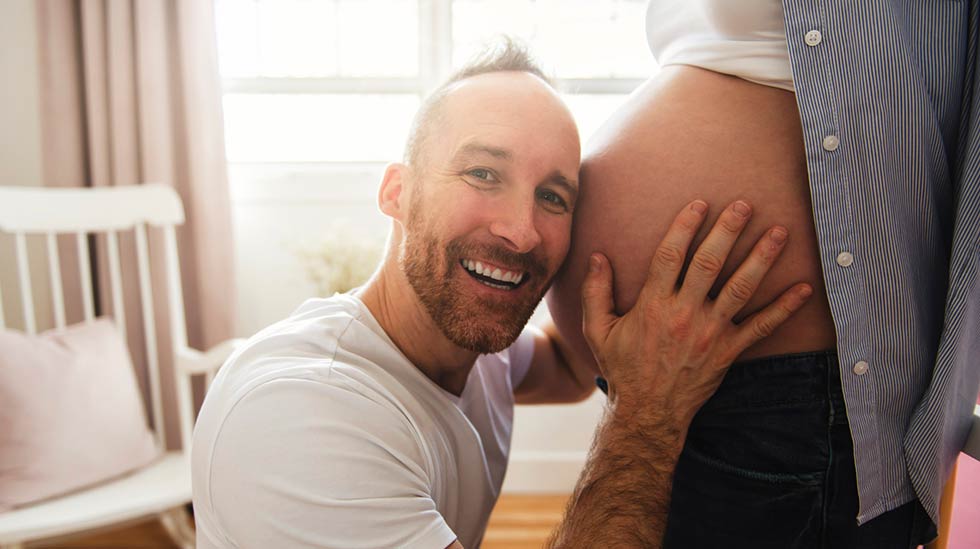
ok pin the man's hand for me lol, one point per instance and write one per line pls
(663, 359)
(673, 348)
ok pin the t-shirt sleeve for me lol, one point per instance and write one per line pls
(305, 463)
(521, 352)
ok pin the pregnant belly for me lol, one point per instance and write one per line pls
(687, 134)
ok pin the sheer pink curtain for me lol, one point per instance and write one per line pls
(131, 94)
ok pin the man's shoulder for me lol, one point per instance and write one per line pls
(323, 427)
(308, 340)
(303, 366)
(325, 345)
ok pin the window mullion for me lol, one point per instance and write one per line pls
(332, 85)
(598, 86)
(435, 43)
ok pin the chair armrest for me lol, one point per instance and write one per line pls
(972, 447)
(193, 362)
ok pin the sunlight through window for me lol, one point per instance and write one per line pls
(337, 81)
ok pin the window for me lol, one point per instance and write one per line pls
(338, 81)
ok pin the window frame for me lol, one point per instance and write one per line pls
(435, 49)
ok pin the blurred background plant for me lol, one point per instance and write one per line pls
(344, 259)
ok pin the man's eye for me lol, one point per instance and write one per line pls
(553, 199)
(482, 174)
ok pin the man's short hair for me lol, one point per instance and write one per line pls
(505, 54)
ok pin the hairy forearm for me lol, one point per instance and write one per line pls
(623, 495)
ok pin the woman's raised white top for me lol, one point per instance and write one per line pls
(743, 38)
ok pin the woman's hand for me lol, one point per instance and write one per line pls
(670, 352)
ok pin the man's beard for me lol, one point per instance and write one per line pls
(472, 322)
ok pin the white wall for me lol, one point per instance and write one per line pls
(550, 445)
(277, 211)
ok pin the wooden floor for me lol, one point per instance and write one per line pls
(518, 522)
(523, 522)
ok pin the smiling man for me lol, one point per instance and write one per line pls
(382, 418)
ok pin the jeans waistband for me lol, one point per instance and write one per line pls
(782, 379)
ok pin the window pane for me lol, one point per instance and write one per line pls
(317, 128)
(317, 38)
(236, 26)
(574, 38)
(591, 111)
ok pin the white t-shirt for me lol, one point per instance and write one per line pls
(318, 432)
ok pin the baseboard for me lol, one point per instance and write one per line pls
(543, 472)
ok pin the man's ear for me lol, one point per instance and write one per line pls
(391, 192)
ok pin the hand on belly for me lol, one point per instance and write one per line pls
(696, 136)
(673, 347)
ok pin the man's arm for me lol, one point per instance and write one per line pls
(663, 359)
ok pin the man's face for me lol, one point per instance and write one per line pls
(490, 209)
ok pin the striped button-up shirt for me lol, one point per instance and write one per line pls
(889, 97)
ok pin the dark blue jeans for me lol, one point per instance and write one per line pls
(769, 463)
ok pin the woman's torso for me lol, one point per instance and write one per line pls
(690, 133)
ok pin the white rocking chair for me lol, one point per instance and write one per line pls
(163, 488)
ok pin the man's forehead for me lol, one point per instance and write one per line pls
(505, 101)
(499, 94)
(503, 116)
(476, 148)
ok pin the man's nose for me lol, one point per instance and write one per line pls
(514, 223)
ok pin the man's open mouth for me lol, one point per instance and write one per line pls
(493, 276)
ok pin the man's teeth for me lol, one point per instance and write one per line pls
(494, 273)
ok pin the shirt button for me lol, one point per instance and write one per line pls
(812, 38)
(861, 367)
(830, 143)
(844, 259)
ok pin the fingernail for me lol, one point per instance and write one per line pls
(778, 235)
(741, 208)
(594, 263)
(806, 291)
(699, 206)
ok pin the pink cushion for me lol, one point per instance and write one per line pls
(70, 412)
